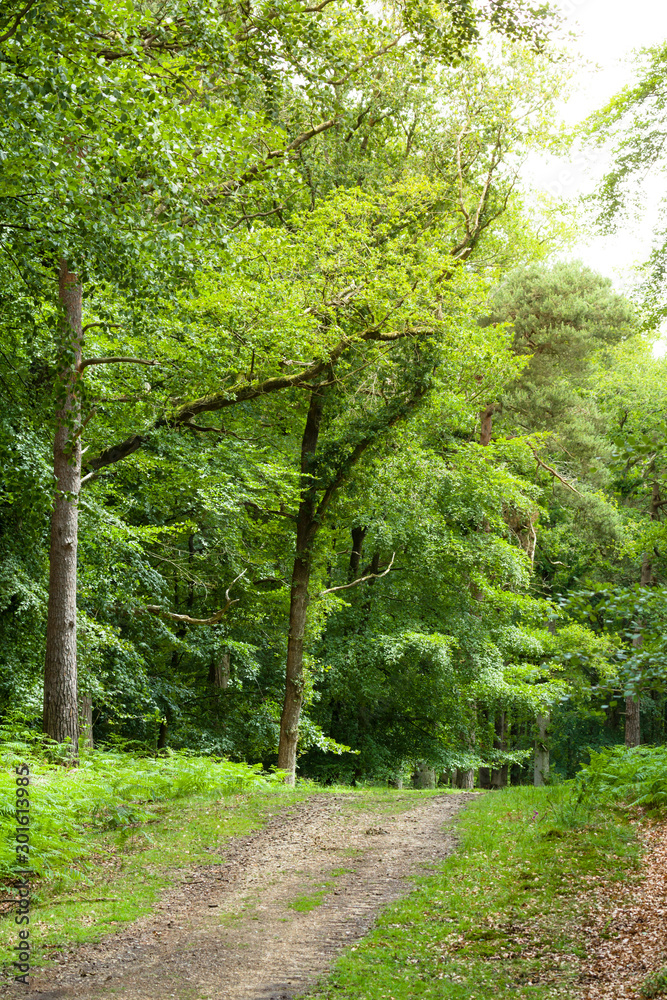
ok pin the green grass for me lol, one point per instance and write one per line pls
(122, 873)
(304, 904)
(654, 985)
(500, 918)
(309, 901)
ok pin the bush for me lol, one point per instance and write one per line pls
(634, 775)
(654, 985)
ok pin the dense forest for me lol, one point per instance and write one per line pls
(321, 447)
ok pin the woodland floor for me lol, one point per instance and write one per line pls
(269, 920)
(626, 935)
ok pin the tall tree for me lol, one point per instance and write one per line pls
(60, 678)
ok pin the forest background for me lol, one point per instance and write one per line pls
(320, 448)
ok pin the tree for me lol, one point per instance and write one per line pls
(636, 119)
(128, 123)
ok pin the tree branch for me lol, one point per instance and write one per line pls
(247, 391)
(320, 6)
(17, 20)
(89, 326)
(116, 361)
(364, 62)
(553, 471)
(274, 154)
(362, 579)
(213, 620)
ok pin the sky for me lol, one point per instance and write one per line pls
(608, 32)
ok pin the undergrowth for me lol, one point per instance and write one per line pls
(636, 776)
(124, 872)
(108, 790)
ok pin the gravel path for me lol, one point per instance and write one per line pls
(269, 920)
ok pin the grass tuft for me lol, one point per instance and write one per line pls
(654, 985)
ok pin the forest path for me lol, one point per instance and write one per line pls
(269, 920)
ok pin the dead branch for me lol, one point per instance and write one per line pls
(553, 472)
(362, 579)
(90, 326)
(213, 620)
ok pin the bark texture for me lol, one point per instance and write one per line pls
(86, 720)
(219, 672)
(632, 722)
(424, 775)
(541, 768)
(486, 424)
(60, 667)
(465, 779)
(306, 529)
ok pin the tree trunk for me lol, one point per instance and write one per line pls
(499, 774)
(632, 704)
(484, 777)
(86, 720)
(632, 722)
(424, 775)
(486, 422)
(465, 779)
(289, 721)
(306, 529)
(307, 525)
(219, 672)
(541, 768)
(60, 719)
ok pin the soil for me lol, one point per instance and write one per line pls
(267, 922)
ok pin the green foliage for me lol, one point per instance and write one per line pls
(635, 118)
(655, 984)
(636, 776)
(340, 226)
(108, 791)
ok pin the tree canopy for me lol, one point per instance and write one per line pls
(338, 465)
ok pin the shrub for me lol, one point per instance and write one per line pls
(634, 775)
(108, 790)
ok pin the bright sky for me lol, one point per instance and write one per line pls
(608, 32)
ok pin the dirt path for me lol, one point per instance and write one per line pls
(269, 920)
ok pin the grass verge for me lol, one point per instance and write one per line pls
(501, 916)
